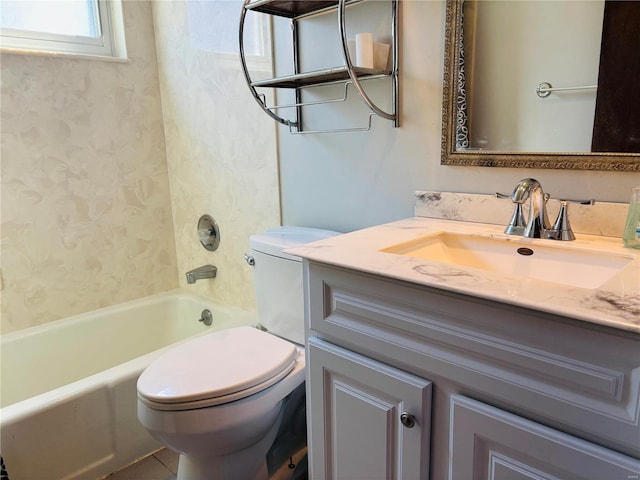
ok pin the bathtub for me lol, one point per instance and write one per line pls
(68, 388)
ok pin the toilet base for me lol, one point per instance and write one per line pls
(229, 467)
(248, 464)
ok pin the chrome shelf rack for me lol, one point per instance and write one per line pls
(347, 74)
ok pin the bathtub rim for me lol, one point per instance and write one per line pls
(149, 299)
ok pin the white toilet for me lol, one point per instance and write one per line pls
(219, 399)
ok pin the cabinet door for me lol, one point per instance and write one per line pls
(488, 443)
(355, 418)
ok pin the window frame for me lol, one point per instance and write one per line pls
(110, 43)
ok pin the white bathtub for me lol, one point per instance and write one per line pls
(68, 388)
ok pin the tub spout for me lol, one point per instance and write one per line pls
(205, 271)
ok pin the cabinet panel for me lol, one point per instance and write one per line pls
(355, 430)
(488, 443)
(360, 442)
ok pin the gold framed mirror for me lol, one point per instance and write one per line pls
(452, 154)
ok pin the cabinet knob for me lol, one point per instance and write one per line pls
(407, 420)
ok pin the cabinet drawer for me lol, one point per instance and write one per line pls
(488, 443)
(572, 375)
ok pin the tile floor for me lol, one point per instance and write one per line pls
(162, 465)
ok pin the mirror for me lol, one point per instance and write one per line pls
(522, 137)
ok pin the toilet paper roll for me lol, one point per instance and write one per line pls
(364, 50)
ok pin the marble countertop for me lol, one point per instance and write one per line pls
(615, 303)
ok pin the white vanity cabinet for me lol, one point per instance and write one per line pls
(514, 393)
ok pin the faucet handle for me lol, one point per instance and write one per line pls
(561, 229)
(503, 196)
(517, 224)
(591, 201)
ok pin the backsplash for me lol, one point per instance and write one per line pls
(86, 213)
(603, 218)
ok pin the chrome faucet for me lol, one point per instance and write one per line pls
(205, 271)
(538, 223)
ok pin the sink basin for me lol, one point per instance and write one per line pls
(577, 267)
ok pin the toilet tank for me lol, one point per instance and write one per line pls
(278, 279)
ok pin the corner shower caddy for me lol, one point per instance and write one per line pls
(347, 74)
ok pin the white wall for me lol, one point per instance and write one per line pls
(353, 180)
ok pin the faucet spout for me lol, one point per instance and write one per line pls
(538, 222)
(205, 271)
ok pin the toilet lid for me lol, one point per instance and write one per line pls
(223, 366)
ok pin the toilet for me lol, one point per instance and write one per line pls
(228, 401)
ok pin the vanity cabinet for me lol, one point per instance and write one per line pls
(371, 421)
(515, 393)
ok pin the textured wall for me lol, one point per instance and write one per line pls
(86, 215)
(221, 148)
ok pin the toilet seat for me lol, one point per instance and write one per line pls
(216, 368)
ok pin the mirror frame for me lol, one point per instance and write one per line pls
(622, 162)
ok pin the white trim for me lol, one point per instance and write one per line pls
(110, 43)
(45, 53)
(117, 29)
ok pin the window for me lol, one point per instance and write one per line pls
(213, 26)
(89, 27)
